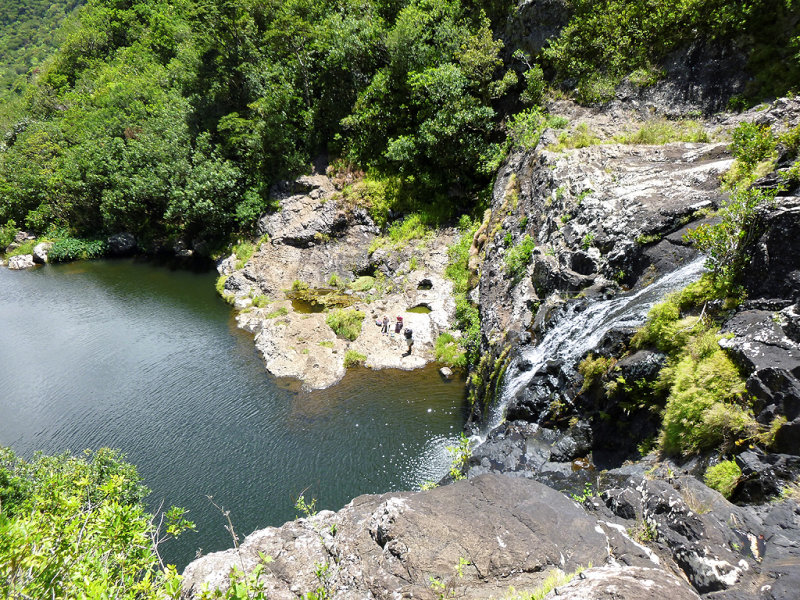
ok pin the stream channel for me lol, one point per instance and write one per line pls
(147, 359)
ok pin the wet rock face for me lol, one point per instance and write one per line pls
(121, 244)
(391, 546)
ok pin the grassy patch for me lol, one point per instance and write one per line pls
(353, 359)
(25, 247)
(449, 351)
(467, 315)
(723, 477)
(346, 323)
(362, 284)
(326, 344)
(662, 131)
(592, 369)
(401, 233)
(279, 312)
(243, 251)
(581, 137)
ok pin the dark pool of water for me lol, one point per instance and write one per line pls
(146, 359)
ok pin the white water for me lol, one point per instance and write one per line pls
(580, 328)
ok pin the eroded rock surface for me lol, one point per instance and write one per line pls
(501, 531)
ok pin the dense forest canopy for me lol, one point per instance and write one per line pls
(172, 119)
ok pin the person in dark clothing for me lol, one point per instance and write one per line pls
(409, 339)
(398, 327)
(385, 328)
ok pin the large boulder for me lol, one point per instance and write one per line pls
(40, 252)
(395, 545)
(21, 261)
(624, 583)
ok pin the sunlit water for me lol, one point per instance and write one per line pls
(146, 359)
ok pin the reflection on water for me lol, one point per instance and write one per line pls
(149, 360)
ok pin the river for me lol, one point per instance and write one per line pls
(148, 359)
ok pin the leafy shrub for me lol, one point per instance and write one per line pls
(346, 323)
(581, 137)
(460, 454)
(526, 127)
(723, 477)
(449, 351)
(67, 249)
(353, 359)
(7, 234)
(400, 233)
(752, 143)
(77, 528)
(518, 257)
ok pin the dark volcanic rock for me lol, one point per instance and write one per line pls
(772, 362)
(121, 244)
(774, 269)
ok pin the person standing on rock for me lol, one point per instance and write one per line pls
(398, 327)
(409, 340)
(385, 328)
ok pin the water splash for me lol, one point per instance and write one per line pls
(580, 328)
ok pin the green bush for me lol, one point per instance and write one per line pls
(752, 143)
(243, 251)
(67, 249)
(723, 477)
(592, 369)
(706, 406)
(353, 359)
(278, 312)
(7, 234)
(77, 528)
(346, 323)
(518, 257)
(449, 351)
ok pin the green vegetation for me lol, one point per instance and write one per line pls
(662, 131)
(449, 351)
(555, 579)
(243, 251)
(67, 249)
(401, 233)
(278, 312)
(467, 315)
(518, 257)
(580, 137)
(592, 370)
(362, 284)
(607, 40)
(706, 404)
(460, 454)
(76, 527)
(353, 359)
(346, 323)
(723, 477)
(326, 344)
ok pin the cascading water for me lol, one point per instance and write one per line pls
(580, 328)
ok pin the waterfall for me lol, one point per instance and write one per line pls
(580, 328)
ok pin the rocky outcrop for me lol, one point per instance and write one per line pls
(321, 245)
(417, 544)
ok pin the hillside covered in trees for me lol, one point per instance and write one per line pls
(172, 120)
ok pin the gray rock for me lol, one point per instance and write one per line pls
(121, 244)
(40, 252)
(624, 583)
(392, 545)
(446, 372)
(21, 261)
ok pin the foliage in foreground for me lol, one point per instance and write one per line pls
(467, 314)
(76, 527)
